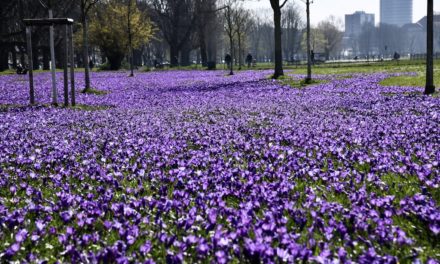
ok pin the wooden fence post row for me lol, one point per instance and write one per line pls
(68, 57)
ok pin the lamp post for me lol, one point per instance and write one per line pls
(309, 59)
(430, 88)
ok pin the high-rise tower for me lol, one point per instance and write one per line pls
(396, 12)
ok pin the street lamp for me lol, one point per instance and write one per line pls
(309, 59)
(430, 88)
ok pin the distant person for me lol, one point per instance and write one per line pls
(396, 56)
(249, 60)
(91, 64)
(228, 60)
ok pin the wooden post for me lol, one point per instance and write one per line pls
(72, 66)
(31, 65)
(52, 58)
(66, 58)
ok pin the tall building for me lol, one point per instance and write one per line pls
(396, 12)
(355, 22)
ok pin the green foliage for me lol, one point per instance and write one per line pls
(109, 27)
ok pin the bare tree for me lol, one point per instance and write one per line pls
(261, 36)
(176, 19)
(242, 23)
(206, 25)
(332, 35)
(390, 39)
(291, 23)
(366, 41)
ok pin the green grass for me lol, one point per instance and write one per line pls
(356, 67)
(80, 107)
(95, 91)
(90, 107)
(295, 83)
(6, 107)
(418, 81)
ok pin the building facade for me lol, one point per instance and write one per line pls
(396, 12)
(355, 25)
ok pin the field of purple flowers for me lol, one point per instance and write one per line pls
(199, 167)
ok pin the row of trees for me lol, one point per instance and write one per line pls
(143, 31)
(117, 27)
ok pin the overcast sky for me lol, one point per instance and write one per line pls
(321, 9)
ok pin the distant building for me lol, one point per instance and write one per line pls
(354, 25)
(396, 12)
(355, 22)
(415, 36)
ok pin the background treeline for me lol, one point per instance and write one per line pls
(162, 32)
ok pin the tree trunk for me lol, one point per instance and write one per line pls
(239, 53)
(174, 53)
(85, 52)
(14, 57)
(203, 53)
(115, 60)
(185, 57)
(327, 54)
(137, 57)
(22, 57)
(36, 63)
(3, 57)
(130, 42)
(430, 88)
(231, 46)
(278, 49)
(202, 44)
(45, 59)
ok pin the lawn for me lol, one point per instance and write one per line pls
(201, 167)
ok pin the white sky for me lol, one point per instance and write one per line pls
(321, 9)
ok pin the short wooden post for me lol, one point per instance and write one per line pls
(31, 65)
(72, 67)
(66, 58)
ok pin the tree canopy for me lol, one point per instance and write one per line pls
(111, 35)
